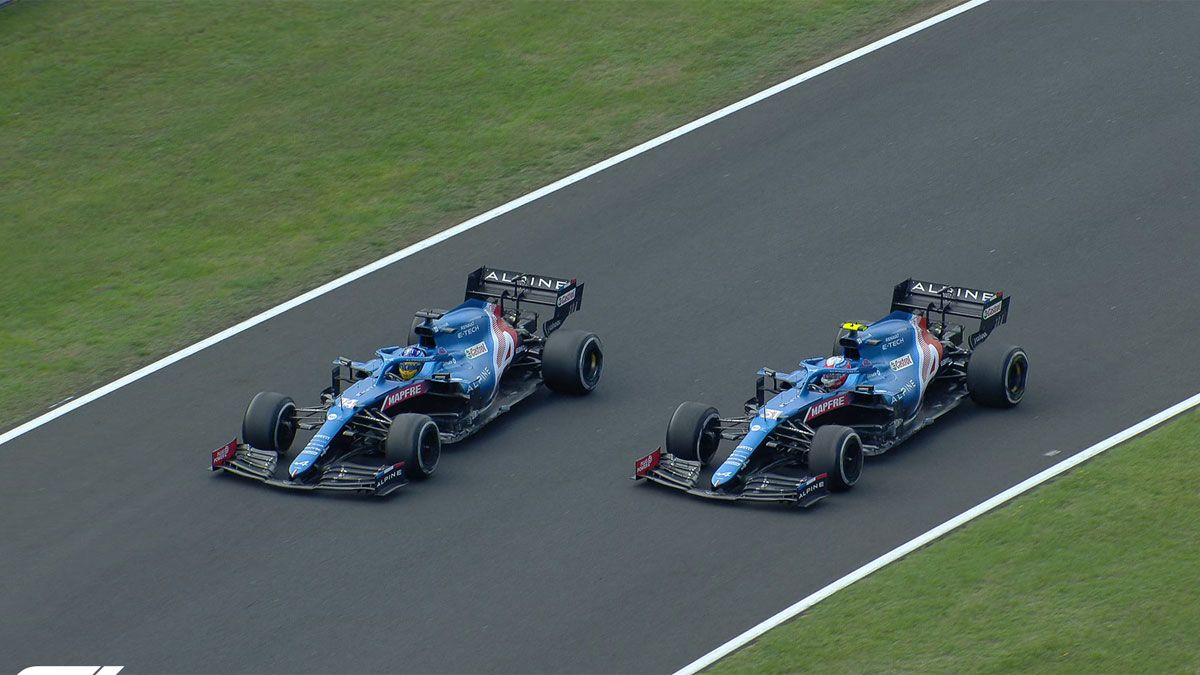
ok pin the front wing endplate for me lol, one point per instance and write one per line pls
(682, 474)
(243, 460)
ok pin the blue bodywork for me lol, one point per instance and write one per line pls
(805, 432)
(896, 357)
(473, 346)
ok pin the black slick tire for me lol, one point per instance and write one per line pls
(572, 362)
(270, 422)
(413, 439)
(997, 374)
(693, 432)
(838, 452)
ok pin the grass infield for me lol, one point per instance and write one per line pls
(1097, 571)
(169, 168)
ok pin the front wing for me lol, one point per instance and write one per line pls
(682, 474)
(243, 460)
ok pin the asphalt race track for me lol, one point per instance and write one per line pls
(1048, 150)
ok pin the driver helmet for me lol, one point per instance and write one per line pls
(407, 370)
(832, 381)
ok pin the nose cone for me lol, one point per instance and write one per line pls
(334, 421)
(301, 464)
(730, 468)
(759, 428)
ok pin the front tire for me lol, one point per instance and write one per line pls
(572, 362)
(996, 375)
(270, 422)
(837, 451)
(413, 439)
(694, 432)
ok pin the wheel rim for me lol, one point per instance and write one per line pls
(428, 449)
(285, 432)
(1014, 378)
(591, 362)
(706, 440)
(851, 464)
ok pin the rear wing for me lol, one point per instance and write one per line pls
(510, 290)
(934, 300)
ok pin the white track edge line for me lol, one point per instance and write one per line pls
(952, 524)
(476, 221)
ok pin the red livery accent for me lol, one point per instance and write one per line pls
(404, 394)
(822, 407)
(506, 339)
(930, 350)
(224, 454)
(645, 465)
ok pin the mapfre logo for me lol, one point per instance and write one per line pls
(825, 406)
(72, 670)
(404, 394)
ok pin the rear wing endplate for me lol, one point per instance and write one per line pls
(932, 300)
(512, 289)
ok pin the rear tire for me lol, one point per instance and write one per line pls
(413, 439)
(996, 375)
(572, 362)
(693, 432)
(837, 451)
(270, 422)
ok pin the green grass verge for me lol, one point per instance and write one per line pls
(169, 168)
(1097, 571)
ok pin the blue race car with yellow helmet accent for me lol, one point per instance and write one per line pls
(805, 432)
(384, 420)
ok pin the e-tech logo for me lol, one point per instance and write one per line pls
(72, 670)
(467, 330)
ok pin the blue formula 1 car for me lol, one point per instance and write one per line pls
(383, 421)
(806, 432)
